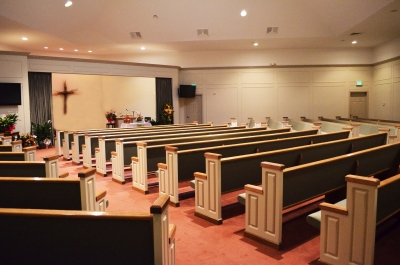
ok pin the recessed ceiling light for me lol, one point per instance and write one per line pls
(243, 13)
(46, 47)
(155, 17)
(143, 48)
(75, 50)
(68, 3)
(61, 49)
(394, 10)
(24, 38)
(255, 43)
(89, 51)
(354, 42)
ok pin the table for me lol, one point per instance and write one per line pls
(135, 124)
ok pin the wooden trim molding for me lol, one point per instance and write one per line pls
(171, 148)
(135, 158)
(162, 165)
(253, 188)
(87, 172)
(160, 204)
(272, 165)
(212, 155)
(200, 175)
(100, 195)
(50, 158)
(333, 208)
(362, 180)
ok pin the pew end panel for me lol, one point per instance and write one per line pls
(168, 179)
(264, 207)
(208, 190)
(30, 153)
(348, 233)
(139, 181)
(16, 146)
(91, 201)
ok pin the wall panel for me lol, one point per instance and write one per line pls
(294, 102)
(330, 76)
(222, 104)
(285, 77)
(222, 78)
(257, 102)
(258, 78)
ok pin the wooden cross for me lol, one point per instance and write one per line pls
(65, 93)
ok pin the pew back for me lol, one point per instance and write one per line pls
(42, 193)
(239, 165)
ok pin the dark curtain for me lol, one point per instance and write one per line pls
(40, 97)
(163, 95)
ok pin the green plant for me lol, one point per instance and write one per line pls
(153, 122)
(42, 131)
(7, 122)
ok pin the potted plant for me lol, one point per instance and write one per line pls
(167, 113)
(111, 116)
(7, 122)
(28, 140)
(43, 133)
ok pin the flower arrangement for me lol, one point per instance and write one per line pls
(28, 140)
(7, 122)
(110, 115)
(42, 132)
(167, 113)
(139, 117)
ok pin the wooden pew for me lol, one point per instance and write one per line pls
(126, 150)
(81, 237)
(183, 162)
(92, 140)
(109, 145)
(27, 154)
(348, 232)
(283, 187)
(77, 138)
(48, 168)
(53, 193)
(224, 174)
(15, 146)
(364, 128)
(146, 156)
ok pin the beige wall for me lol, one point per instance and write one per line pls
(97, 94)
(385, 95)
(13, 69)
(276, 92)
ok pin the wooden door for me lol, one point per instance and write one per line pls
(193, 109)
(358, 104)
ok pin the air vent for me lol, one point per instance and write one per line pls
(136, 35)
(202, 32)
(355, 33)
(272, 30)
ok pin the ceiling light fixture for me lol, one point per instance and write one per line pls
(46, 47)
(255, 43)
(89, 51)
(24, 38)
(143, 48)
(243, 13)
(354, 42)
(68, 4)
(61, 49)
(75, 50)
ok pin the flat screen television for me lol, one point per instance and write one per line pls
(187, 91)
(10, 94)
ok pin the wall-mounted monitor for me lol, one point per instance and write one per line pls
(187, 91)
(10, 94)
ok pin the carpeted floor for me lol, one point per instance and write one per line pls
(200, 242)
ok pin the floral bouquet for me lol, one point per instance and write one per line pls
(139, 117)
(110, 115)
(7, 122)
(167, 113)
(28, 140)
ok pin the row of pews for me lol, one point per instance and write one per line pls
(49, 218)
(280, 165)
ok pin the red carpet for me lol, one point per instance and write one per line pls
(200, 242)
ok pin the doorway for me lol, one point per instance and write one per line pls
(194, 109)
(359, 104)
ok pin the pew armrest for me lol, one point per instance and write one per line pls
(64, 175)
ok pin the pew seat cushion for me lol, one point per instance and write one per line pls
(193, 184)
(242, 198)
(314, 219)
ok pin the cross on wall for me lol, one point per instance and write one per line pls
(65, 93)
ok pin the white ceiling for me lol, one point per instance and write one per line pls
(104, 26)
